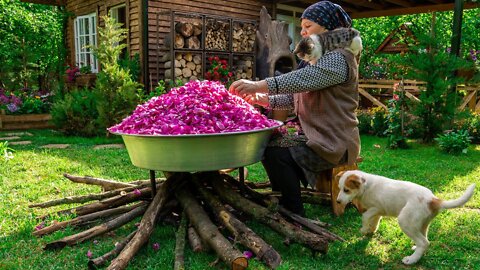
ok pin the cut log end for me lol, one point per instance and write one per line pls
(240, 263)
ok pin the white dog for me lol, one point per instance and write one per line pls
(414, 205)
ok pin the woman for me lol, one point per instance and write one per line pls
(324, 96)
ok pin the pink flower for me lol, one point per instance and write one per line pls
(137, 192)
(198, 107)
(40, 226)
(248, 254)
(156, 246)
(395, 97)
(89, 254)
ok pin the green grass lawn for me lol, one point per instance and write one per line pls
(36, 175)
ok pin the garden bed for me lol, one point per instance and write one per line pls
(25, 121)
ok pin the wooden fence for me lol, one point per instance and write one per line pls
(378, 92)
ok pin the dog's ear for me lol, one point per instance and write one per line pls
(354, 181)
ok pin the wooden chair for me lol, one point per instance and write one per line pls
(327, 185)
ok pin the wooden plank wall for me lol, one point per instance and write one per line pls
(239, 9)
(83, 7)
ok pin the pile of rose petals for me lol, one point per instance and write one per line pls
(198, 107)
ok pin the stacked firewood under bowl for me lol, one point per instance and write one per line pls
(200, 204)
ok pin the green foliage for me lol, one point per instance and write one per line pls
(396, 132)
(432, 63)
(454, 142)
(31, 45)
(76, 113)
(5, 152)
(471, 123)
(117, 93)
(364, 121)
(378, 123)
(158, 91)
(375, 30)
(132, 65)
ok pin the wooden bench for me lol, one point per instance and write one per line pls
(327, 185)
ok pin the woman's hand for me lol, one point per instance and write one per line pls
(243, 88)
(257, 99)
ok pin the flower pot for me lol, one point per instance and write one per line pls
(85, 80)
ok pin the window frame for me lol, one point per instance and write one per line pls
(292, 21)
(83, 37)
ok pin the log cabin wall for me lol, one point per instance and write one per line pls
(159, 23)
(82, 7)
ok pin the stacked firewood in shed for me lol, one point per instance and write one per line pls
(207, 201)
(187, 66)
(217, 35)
(187, 35)
(243, 37)
(243, 67)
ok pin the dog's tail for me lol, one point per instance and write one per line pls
(460, 201)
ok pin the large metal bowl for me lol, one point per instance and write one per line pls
(199, 152)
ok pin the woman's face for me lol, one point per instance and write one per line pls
(309, 27)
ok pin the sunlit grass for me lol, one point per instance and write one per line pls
(36, 175)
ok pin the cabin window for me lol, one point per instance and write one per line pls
(85, 30)
(119, 13)
(291, 16)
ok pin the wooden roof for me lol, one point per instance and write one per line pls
(372, 8)
(396, 41)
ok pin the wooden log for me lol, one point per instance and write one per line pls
(262, 214)
(99, 261)
(86, 198)
(179, 41)
(97, 230)
(115, 201)
(242, 233)
(195, 241)
(104, 183)
(209, 232)
(78, 221)
(184, 28)
(193, 42)
(180, 244)
(311, 226)
(146, 226)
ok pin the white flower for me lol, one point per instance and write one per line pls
(7, 155)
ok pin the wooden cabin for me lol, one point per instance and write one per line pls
(160, 37)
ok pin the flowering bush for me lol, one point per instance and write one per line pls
(72, 73)
(218, 71)
(198, 107)
(397, 136)
(25, 101)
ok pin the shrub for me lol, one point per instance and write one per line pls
(76, 113)
(471, 123)
(25, 101)
(364, 122)
(117, 93)
(454, 142)
(379, 125)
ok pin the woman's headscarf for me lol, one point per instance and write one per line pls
(328, 15)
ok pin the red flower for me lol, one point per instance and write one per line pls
(395, 97)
